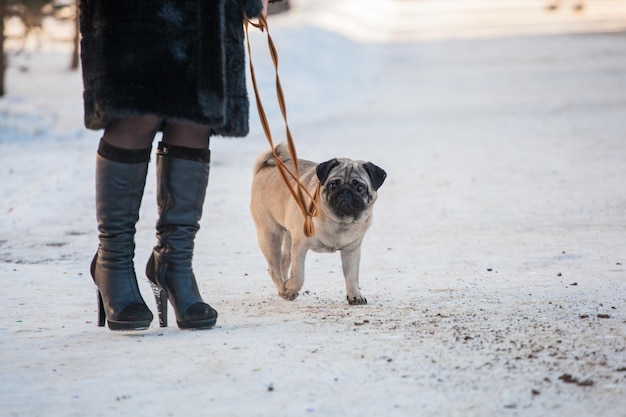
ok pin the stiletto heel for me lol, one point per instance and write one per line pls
(101, 314)
(161, 301)
(199, 315)
(134, 316)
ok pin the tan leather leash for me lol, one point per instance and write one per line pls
(299, 192)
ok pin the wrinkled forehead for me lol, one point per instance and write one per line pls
(348, 169)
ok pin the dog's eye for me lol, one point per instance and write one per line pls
(359, 187)
(332, 186)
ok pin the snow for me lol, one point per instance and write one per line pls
(494, 270)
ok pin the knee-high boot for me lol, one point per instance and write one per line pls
(120, 181)
(182, 178)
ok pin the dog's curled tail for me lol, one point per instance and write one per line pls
(266, 159)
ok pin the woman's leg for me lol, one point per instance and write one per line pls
(134, 132)
(182, 177)
(187, 135)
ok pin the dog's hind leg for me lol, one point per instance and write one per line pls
(270, 243)
(295, 282)
(286, 255)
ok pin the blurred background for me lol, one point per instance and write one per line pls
(29, 25)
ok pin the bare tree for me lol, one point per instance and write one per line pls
(76, 49)
(3, 65)
(24, 9)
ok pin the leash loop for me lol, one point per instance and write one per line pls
(305, 200)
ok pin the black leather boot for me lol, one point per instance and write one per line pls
(182, 178)
(120, 180)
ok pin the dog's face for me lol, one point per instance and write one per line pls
(349, 188)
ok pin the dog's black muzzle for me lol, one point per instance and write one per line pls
(346, 202)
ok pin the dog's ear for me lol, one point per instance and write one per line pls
(376, 174)
(323, 169)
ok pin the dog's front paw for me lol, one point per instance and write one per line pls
(290, 289)
(357, 301)
(289, 296)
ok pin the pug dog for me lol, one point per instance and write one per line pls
(348, 191)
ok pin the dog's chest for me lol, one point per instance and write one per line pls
(337, 239)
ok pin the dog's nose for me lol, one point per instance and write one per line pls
(345, 202)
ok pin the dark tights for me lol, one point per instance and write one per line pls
(137, 132)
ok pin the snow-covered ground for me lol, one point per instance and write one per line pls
(494, 269)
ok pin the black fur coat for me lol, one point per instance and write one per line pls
(177, 59)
